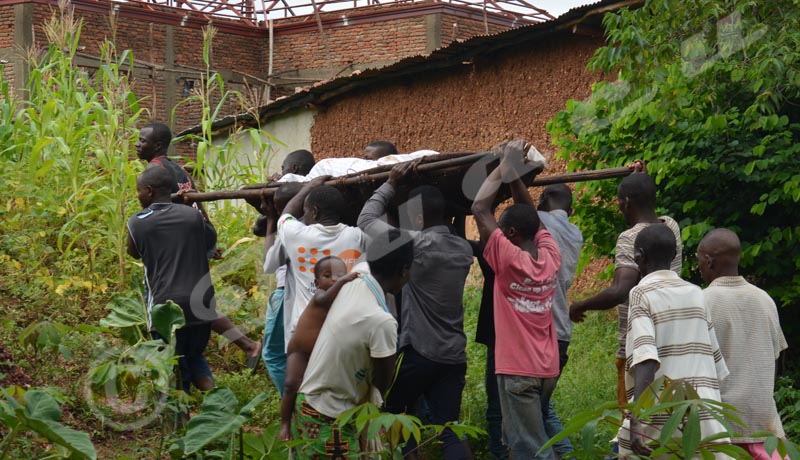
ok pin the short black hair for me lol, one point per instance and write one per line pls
(434, 205)
(559, 195)
(384, 147)
(319, 263)
(159, 179)
(303, 159)
(287, 190)
(161, 133)
(640, 189)
(328, 200)
(389, 254)
(523, 217)
(658, 243)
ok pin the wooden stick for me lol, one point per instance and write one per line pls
(582, 176)
(269, 190)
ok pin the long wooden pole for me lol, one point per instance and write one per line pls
(579, 176)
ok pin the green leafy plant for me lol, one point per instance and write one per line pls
(787, 398)
(265, 446)
(128, 387)
(66, 173)
(680, 436)
(128, 316)
(39, 414)
(394, 429)
(707, 94)
(219, 419)
(46, 336)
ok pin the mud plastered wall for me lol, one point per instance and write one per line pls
(467, 108)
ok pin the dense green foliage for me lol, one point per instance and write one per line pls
(708, 94)
(39, 413)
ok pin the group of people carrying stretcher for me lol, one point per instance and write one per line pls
(374, 313)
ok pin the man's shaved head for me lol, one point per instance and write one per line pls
(656, 243)
(298, 162)
(718, 254)
(154, 184)
(159, 179)
(722, 241)
(639, 190)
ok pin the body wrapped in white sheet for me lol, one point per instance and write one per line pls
(337, 167)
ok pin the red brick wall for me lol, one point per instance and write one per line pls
(146, 36)
(6, 26)
(7, 39)
(148, 42)
(458, 28)
(363, 43)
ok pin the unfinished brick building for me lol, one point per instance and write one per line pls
(260, 57)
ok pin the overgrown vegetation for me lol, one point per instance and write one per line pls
(707, 93)
(74, 316)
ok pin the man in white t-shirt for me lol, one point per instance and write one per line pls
(354, 352)
(320, 234)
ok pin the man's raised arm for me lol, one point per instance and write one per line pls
(512, 168)
(370, 220)
(482, 205)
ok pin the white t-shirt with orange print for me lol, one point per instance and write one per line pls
(304, 246)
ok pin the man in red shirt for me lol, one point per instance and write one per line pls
(525, 259)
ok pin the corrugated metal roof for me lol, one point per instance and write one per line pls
(454, 54)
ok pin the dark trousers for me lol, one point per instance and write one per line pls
(441, 385)
(494, 415)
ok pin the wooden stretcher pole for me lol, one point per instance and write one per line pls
(582, 176)
(268, 191)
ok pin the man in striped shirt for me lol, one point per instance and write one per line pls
(669, 334)
(746, 322)
(637, 203)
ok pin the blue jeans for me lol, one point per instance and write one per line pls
(274, 349)
(524, 401)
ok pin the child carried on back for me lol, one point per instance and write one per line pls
(330, 274)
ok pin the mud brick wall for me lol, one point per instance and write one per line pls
(470, 108)
(467, 108)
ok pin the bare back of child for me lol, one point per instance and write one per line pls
(330, 274)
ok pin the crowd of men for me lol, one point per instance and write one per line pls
(375, 313)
